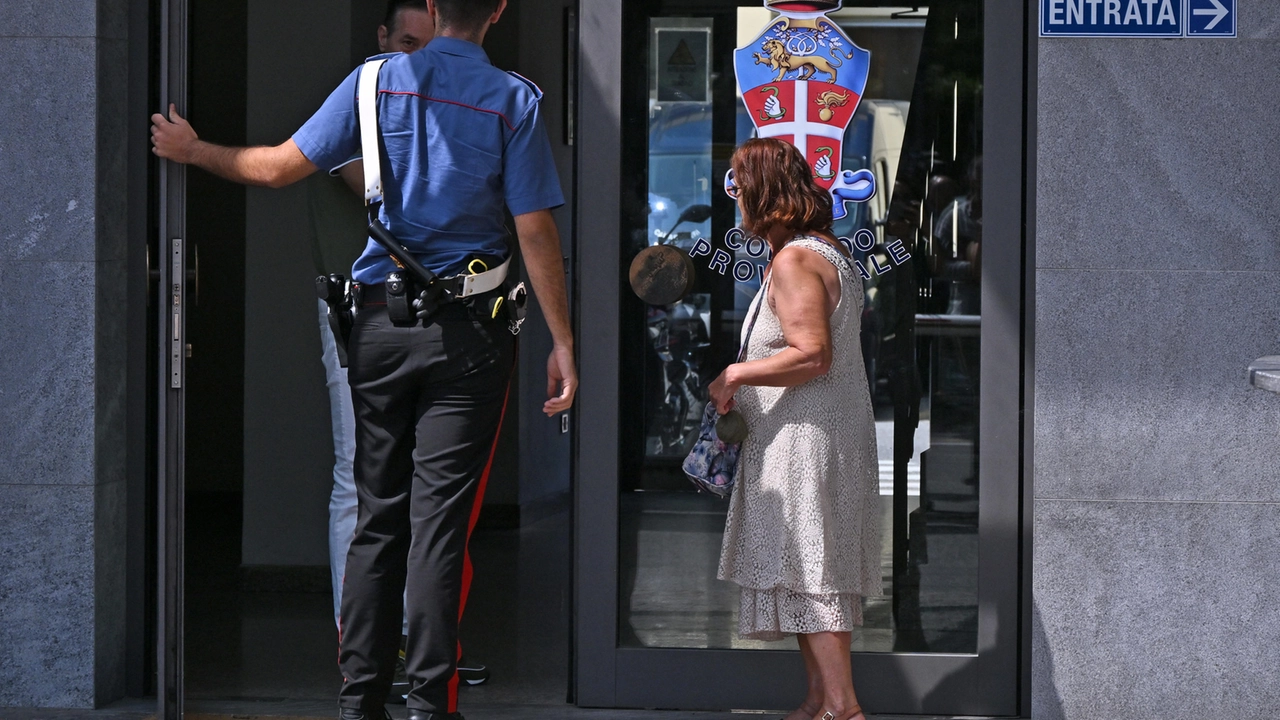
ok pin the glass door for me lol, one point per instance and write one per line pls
(170, 262)
(939, 246)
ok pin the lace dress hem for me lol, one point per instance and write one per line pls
(778, 612)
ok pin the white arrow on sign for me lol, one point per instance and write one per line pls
(1218, 9)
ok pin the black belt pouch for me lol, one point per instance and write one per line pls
(401, 293)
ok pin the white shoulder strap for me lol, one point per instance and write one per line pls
(368, 106)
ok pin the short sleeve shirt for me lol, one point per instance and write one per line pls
(460, 138)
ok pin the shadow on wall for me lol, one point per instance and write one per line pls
(1046, 704)
(943, 696)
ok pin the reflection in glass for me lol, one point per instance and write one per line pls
(917, 130)
(679, 197)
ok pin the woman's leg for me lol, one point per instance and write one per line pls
(831, 653)
(813, 700)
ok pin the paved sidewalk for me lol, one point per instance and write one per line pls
(255, 711)
(304, 710)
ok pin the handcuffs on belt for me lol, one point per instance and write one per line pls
(487, 295)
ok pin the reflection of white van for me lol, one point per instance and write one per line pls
(888, 127)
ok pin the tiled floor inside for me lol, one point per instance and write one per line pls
(264, 651)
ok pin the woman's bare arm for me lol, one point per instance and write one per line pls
(801, 289)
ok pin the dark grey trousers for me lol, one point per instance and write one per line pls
(428, 405)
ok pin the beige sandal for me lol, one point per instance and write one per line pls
(857, 710)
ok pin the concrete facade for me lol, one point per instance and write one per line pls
(1157, 515)
(63, 220)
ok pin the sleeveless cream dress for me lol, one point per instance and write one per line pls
(802, 537)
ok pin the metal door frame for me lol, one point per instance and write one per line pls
(993, 682)
(171, 314)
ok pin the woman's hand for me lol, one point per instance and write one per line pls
(722, 392)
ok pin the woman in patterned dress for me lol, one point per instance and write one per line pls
(802, 538)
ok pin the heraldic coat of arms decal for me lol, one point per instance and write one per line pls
(802, 80)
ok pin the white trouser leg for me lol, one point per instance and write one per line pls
(342, 501)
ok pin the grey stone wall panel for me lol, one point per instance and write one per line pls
(48, 142)
(63, 220)
(1258, 19)
(1164, 611)
(1159, 154)
(65, 18)
(1141, 389)
(47, 388)
(49, 18)
(47, 595)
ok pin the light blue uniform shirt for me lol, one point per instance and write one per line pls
(460, 139)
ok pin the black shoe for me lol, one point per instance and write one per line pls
(424, 715)
(472, 672)
(349, 714)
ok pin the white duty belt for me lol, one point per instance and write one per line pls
(367, 104)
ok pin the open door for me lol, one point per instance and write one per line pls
(170, 260)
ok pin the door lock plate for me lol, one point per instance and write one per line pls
(177, 344)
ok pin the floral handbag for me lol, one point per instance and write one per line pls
(712, 464)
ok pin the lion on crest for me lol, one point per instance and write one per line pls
(777, 58)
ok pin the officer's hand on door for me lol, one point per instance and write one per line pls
(172, 137)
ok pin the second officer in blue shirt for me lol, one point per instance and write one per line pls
(460, 139)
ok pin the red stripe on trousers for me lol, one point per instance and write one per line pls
(471, 526)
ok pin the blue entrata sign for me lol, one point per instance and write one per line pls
(1211, 18)
(1111, 18)
(1138, 18)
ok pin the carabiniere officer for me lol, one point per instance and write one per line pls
(459, 139)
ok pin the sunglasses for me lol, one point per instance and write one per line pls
(731, 186)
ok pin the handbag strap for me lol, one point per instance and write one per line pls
(751, 326)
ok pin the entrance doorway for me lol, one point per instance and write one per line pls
(244, 447)
(940, 248)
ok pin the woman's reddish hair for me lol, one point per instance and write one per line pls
(776, 189)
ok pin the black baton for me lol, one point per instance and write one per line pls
(383, 237)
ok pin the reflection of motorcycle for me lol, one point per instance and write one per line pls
(679, 336)
(695, 214)
(680, 339)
